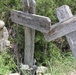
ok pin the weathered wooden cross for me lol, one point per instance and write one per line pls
(31, 22)
(66, 26)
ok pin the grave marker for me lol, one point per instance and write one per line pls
(71, 37)
(19, 17)
(31, 22)
(67, 27)
(29, 34)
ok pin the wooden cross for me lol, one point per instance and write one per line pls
(66, 26)
(31, 22)
(71, 37)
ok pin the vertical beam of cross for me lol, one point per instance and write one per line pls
(64, 13)
(29, 6)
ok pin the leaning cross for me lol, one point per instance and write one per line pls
(31, 22)
(67, 27)
(64, 13)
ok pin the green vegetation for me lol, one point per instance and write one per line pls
(56, 53)
(7, 64)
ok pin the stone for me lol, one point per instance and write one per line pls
(1, 24)
(24, 67)
(5, 33)
(4, 42)
(41, 70)
(14, 74)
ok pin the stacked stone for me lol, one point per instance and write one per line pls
(4, 42)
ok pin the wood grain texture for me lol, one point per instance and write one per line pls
(29, 46)
(29, 36)
(25, 5)
(60, 29)
(63, 13)
(32, 7)
(33, 21)
(71, 37)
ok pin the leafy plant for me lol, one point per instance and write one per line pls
(7, 64)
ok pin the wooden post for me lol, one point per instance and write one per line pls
(64, 13)
(29, 6)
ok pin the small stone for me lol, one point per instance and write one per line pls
(1, 45)
(4, 42)
(47, 74)
(7, 43)
(5, 33)
(1, 24)
(24, 67)
(14, 74)
(42, 70)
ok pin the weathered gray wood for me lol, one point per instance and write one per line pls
(29, 37)
(29, 46)
(32, 7)
(63, 13)
(25, 5)
(60, 29)
(71, 37)
(33, 21)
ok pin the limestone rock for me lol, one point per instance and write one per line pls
(24, 67)
(5, 33)
(1, 24)
(41, 70)
(14, 74)
(4, 42)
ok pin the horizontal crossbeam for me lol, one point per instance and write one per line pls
(33, 21)
(62, 28)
